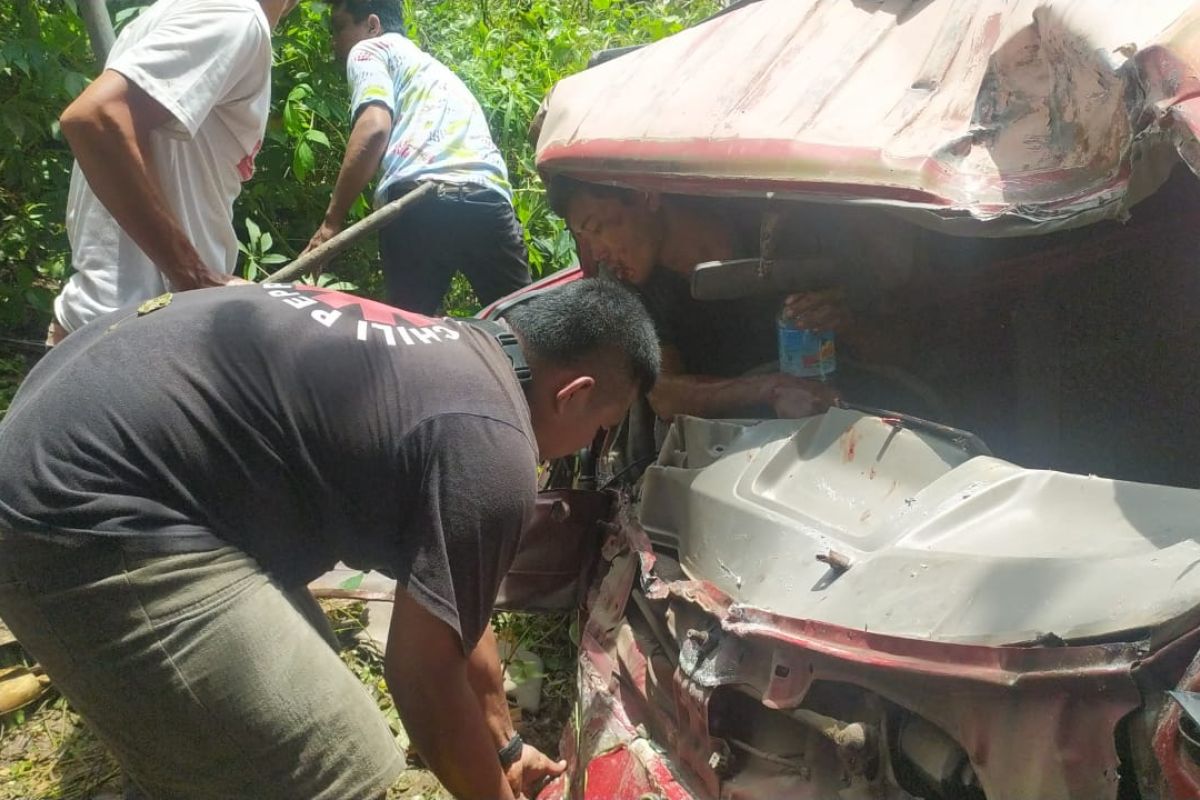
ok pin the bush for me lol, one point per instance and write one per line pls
(45, 61)
(509, 52)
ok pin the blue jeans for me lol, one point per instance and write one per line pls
(458, 228)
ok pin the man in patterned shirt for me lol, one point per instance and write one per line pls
(414, 122)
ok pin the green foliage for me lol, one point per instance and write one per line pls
(45, 61)
(509, 52)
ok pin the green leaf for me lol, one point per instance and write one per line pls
(74, 83)
(291, 119)
(352, 583)
(264, 242)
(127, 15)
(303, 161)
(273, 258)
(15, 123)
(253, 229)
(509, 63)
(299, 92)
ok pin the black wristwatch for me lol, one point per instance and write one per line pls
(511, 752)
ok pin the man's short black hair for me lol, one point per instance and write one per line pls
(589, 319)
(561, 188)
(390, 14)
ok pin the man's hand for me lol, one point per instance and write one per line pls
(324, 233)
(823, 310)
(794, 398)
(204, 279)
(427, 674)
(526, 775)
(108, 129)
(364, 150)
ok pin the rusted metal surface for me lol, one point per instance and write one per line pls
(1028, 116)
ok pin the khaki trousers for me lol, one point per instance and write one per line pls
(204, 677)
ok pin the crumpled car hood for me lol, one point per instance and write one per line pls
(983, 117)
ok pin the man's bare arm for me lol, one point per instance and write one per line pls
(108, 128)
(487, 679)
(428, 675)
(706, 396)
(368, 142)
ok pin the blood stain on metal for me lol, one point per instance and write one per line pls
(849, 444)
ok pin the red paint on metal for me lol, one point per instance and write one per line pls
(1035, 721)
(1000, 666)
(1000, 112)
(616, 774)
(560, 278)
(1068, 701)
(1180, 773)
(694, 167)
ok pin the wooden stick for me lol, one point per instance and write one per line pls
(99, 28)
(372, 222)
(352, 594)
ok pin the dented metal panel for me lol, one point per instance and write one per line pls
(1032, 721)
(1026, 115)
(558, 551)
(939, 545)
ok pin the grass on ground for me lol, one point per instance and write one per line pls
(48, 752)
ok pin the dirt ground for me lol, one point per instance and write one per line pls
(47, 751)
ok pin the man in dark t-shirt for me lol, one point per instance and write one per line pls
(172, 476)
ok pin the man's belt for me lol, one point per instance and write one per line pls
(398, 190)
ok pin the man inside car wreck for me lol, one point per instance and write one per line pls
(720, 356)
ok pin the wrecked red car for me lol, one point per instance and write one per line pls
(866, 603)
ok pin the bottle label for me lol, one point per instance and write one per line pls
(805, 353)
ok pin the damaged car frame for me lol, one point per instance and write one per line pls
(863, 603)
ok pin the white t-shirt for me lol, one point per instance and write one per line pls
(438, 129)
(208, 62)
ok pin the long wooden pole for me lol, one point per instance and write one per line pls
(372, 222)
(99, 27)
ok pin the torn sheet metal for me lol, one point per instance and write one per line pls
(1034, 721)
(1026, 115)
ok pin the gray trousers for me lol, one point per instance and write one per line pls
(204, 677)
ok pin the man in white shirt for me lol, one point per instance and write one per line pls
(415, 121)
(163, 140)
